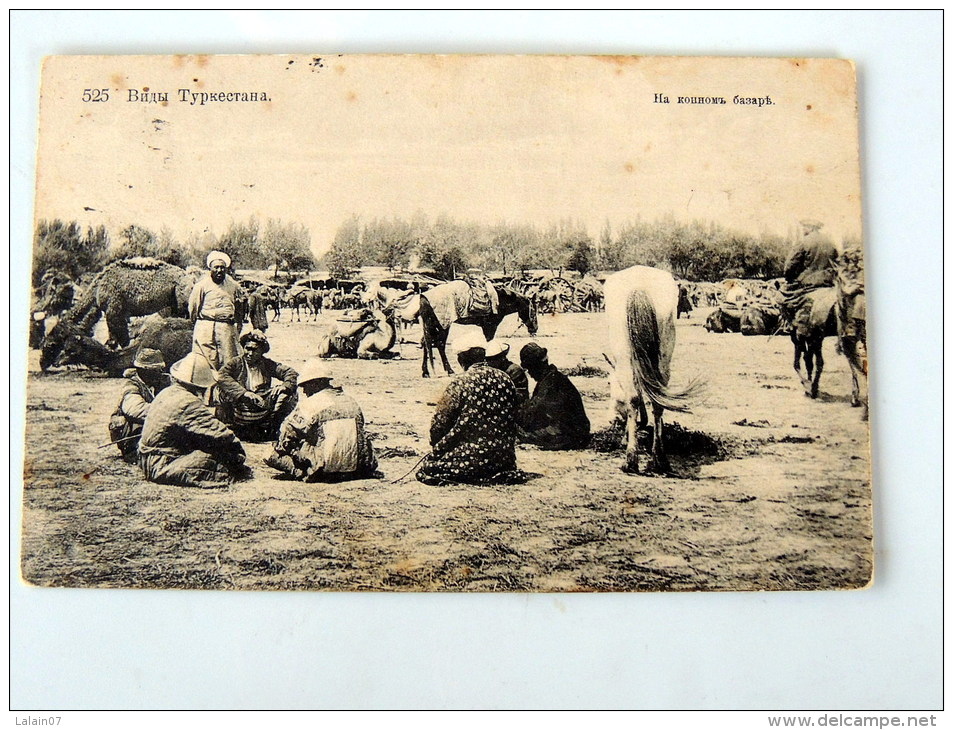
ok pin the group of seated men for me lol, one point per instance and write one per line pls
(186, 427)
(487, 409)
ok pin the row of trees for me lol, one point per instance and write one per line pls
(449, 248)
(695, 251)
(66, 248)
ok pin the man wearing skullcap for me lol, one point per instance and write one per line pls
(215, 307)
(554, 417)
(473, 431)
(144, 380)
(809, 266)
(182, 442)
(254, 393)
(323, 440)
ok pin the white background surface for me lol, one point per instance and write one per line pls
(879, 649)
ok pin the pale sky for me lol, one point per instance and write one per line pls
(480, 138)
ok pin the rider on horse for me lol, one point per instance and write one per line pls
(809, 266)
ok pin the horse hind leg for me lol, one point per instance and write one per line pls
(643, 421)
(442, 350)
(658, 461)
(798, 352)
(632, 442)
(818, 368)
(440, 342)
(848, 346)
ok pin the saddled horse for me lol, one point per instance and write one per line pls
(641, 308)
(815, 318)
(436, 327)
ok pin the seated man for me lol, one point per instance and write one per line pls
(496, 352)
(246, 398)
(554, 417)
(473, 432)
(144, 380)
(182, 442)
(323, 439)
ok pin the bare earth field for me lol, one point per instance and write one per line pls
(770, 490)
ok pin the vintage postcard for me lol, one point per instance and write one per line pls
(447, 323)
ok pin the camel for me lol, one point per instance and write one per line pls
(172, 337)
(724, 319)
(759, 319)
(368, 335)
(124, 289)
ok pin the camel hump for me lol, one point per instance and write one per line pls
(143, 263)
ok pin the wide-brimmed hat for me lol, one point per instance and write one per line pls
(809, 225)
(469, 341)
(217, 256)
(314, 370)
(533, 354)
(149, 359)
(495, 348)
(193, 369)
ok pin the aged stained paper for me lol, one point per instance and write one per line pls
(543, 174)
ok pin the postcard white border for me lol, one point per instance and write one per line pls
(878, 649)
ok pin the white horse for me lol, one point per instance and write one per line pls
(641, 306)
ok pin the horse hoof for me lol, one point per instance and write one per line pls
(630, 469)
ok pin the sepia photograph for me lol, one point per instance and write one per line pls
(448, 323)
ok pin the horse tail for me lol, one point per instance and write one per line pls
(645, 352)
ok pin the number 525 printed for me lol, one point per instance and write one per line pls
(95, 94)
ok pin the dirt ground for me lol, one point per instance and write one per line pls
(770, 489)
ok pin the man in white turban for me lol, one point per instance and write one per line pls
(216, 308)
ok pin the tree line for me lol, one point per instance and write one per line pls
(696, 251)
(66, 248)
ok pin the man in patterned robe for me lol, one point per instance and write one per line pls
(473, 432)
